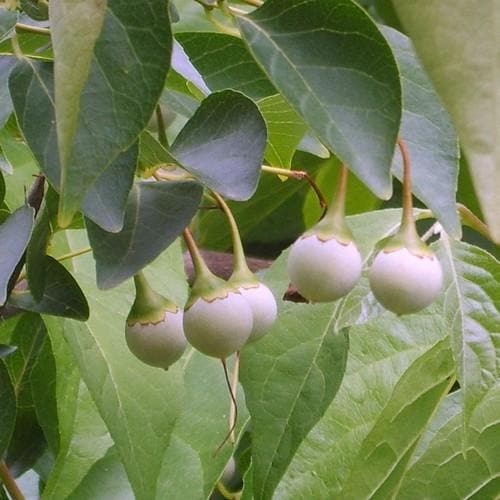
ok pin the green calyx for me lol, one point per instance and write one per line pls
(149, 306)
(242, 277)
(332, 226)
(208, 287)
(407, 237)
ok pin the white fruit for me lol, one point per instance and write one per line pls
(218, 327)
(323, 271)
(403, 282)
(264, 309)
(158, 344)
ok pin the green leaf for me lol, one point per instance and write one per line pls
(467, 81)
(427, 129)
(7, 407)
(156, 214)
(285, 130)
(152, 155)
(28, 442)
(139, 404)
(80, 437)
(32, 90)
(36, 9)
(330, 62)
(33, 45)
(381, 351)
(293, 374)
(441, 469)
(123, 53)
(386, 451)
(473, 278)
(6, 65)
(8, 20)
(15, 233)
(62, 296)
(223, 144)
(224, 62)
(105, 480)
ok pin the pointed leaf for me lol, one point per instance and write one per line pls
(438, 30)
(224, 62)
(7, 407)
(156, 214)
(473, 278)
(443, 469)
(330, 62)
(62, 295)
(427, 129)
(32, 90)
(123, 53)
(285, 130)
(223, 144)
(15, 233)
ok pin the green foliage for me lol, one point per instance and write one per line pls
(137, 114)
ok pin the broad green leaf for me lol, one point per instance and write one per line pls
(381, 351)
(15, 233)
(330, 62)
(80, 437)
(473, 278)
(8, 20)
(139, 404)
(156, 214)
(466, 76)
(32, 90)
(224, 62)
(285, 130)
(386, 451)
(62, 296)
(427, 130)
(223, 144)
(293, 375)
(7, 407)
(106, 480)
(27, 443)
(123, 53)
(6, 65)
(442, 469)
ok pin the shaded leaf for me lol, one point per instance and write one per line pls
(426, 127)
(34, 45)
(224, 62)
(439, 31)
(36, 9)
(123, 55)
(62, 296)
(8, 20)
(473, 297)
(6, 65)
(330, 62)
(32, 90)
(223, 144)
(14, 236)
(285, 130)
(152, 155)
(80, 438)
(156, 214)
(7, 407)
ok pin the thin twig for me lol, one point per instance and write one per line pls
(234, 389)
(254, 3)
(233, 399)
(9, 482)
(28, 28)
(76, 253)
(298, 174)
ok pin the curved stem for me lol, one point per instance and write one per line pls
(200, 267)
(336, 210)
(234, 402)
(240, 263)
(234, 389)
(28, 28)
(407, 218)
(298, 174)
(9, 482)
